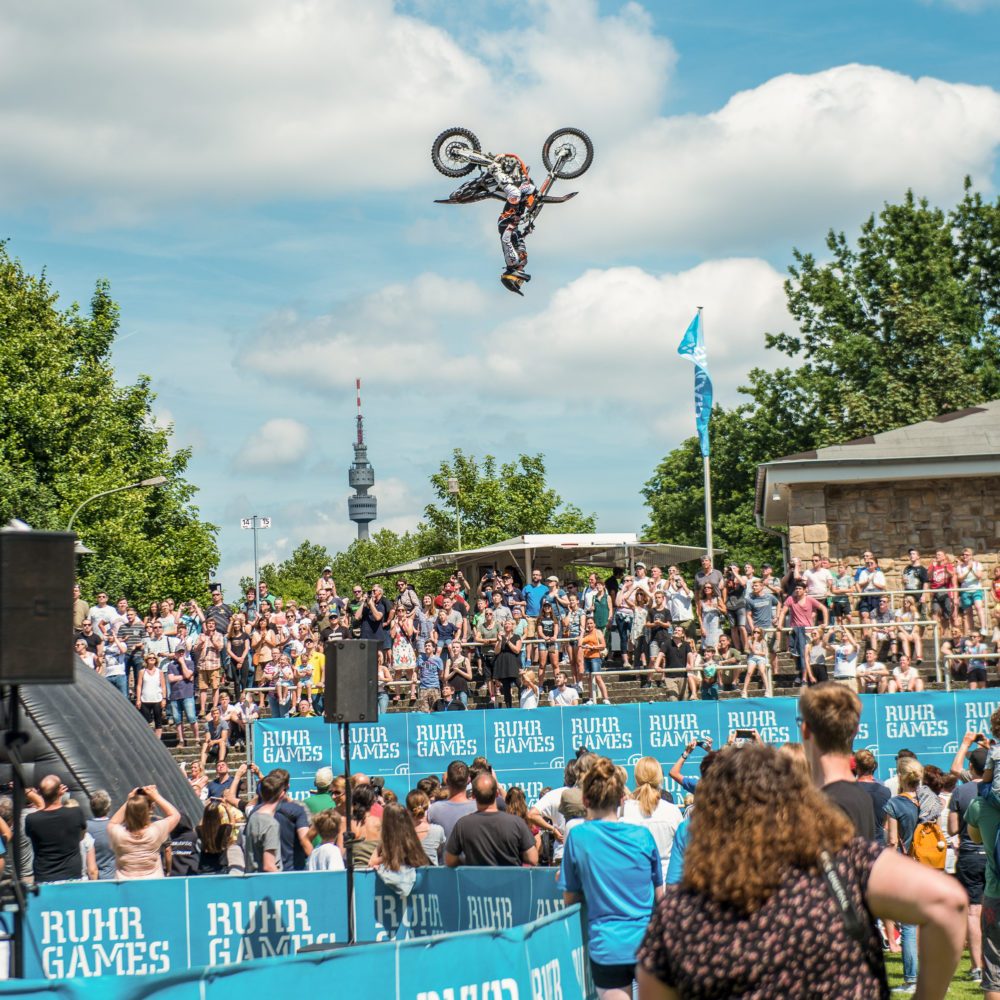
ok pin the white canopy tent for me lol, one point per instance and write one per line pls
(551, 553)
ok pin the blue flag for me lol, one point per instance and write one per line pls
(692, 347)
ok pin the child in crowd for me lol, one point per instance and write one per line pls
(327, 857)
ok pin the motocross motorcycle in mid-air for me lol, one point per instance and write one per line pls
(567, 154)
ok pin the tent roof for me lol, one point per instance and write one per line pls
(600, 549)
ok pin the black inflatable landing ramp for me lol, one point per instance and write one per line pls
(92, 737)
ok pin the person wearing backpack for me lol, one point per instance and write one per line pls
(911, 826)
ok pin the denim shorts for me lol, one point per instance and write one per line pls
(187, 705)
(592, 666)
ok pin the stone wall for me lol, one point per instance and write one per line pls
(888, 517)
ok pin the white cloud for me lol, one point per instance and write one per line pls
(278, 442)
(137, 104)
(787, 159)
(608, 334)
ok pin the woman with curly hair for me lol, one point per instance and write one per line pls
(614, 868)
(778, 896)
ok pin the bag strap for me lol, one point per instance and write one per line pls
(856, 925)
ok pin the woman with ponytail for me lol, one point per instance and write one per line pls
(648, 808)
(615, 869)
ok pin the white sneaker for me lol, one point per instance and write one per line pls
(590, 702)
(606, 701)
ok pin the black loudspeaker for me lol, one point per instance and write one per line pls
(37, 569)
(351, 681)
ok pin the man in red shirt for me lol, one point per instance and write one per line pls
(943, 584)
(801, 609)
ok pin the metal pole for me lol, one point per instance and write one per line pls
(349, 835)
(458, 519)
(708, 510)
(17, 952)
(256, 574)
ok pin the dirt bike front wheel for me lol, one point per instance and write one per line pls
(447, 151)
(575, 148)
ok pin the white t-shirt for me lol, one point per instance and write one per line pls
(845, 661)
(325, 858)
(568, 696)
(548, 806)
(818, 582)
(529, 698)
(679, 602)
(106, 614)
(662, 825)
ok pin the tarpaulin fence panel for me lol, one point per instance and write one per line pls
(152, 928)
(530, 747)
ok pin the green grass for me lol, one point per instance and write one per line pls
(962, 988)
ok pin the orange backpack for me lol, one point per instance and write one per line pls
(928, 845)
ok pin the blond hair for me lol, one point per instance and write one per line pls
(910, 772)
(648, 782)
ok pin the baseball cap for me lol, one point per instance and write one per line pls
(327, 569)
(552, 579)
(640, 565)
(324, 777)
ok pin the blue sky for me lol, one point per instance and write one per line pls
(254, 180)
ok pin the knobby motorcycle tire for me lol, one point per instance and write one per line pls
(438, 146)
(548, 159)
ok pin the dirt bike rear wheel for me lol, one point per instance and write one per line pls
(445, 150)
(577, 143)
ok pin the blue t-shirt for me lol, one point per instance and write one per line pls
(905, 813)
(533, 595)
(675, 866)
(689, 784)
(429, 670)
(616, 867)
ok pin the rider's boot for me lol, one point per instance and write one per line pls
(512, 279)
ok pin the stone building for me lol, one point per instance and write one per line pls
(932, 484)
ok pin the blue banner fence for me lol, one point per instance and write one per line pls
(80, 930)
(530, 747)
(540, 960)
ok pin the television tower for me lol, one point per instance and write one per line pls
(361, 477)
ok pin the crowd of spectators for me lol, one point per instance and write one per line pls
(802, 837)
(544, 640)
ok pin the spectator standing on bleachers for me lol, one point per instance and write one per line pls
(207, 650)
(680, 600)
(734, 592)
(710, 611)
(871, 585)
(915, 580)
(180, 694)
(969, 573)
(800, 611)
(943, 585)
(151, 694)
(707, 574)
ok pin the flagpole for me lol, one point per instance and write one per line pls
(709, 547)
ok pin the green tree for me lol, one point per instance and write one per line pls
(896, 328)
(496, 502)
(68, 430)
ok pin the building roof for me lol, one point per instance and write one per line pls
(598, 549)
(972, 431)
(961, 443)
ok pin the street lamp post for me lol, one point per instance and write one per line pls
(142, 484)
(453, 490)
(253, 523)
